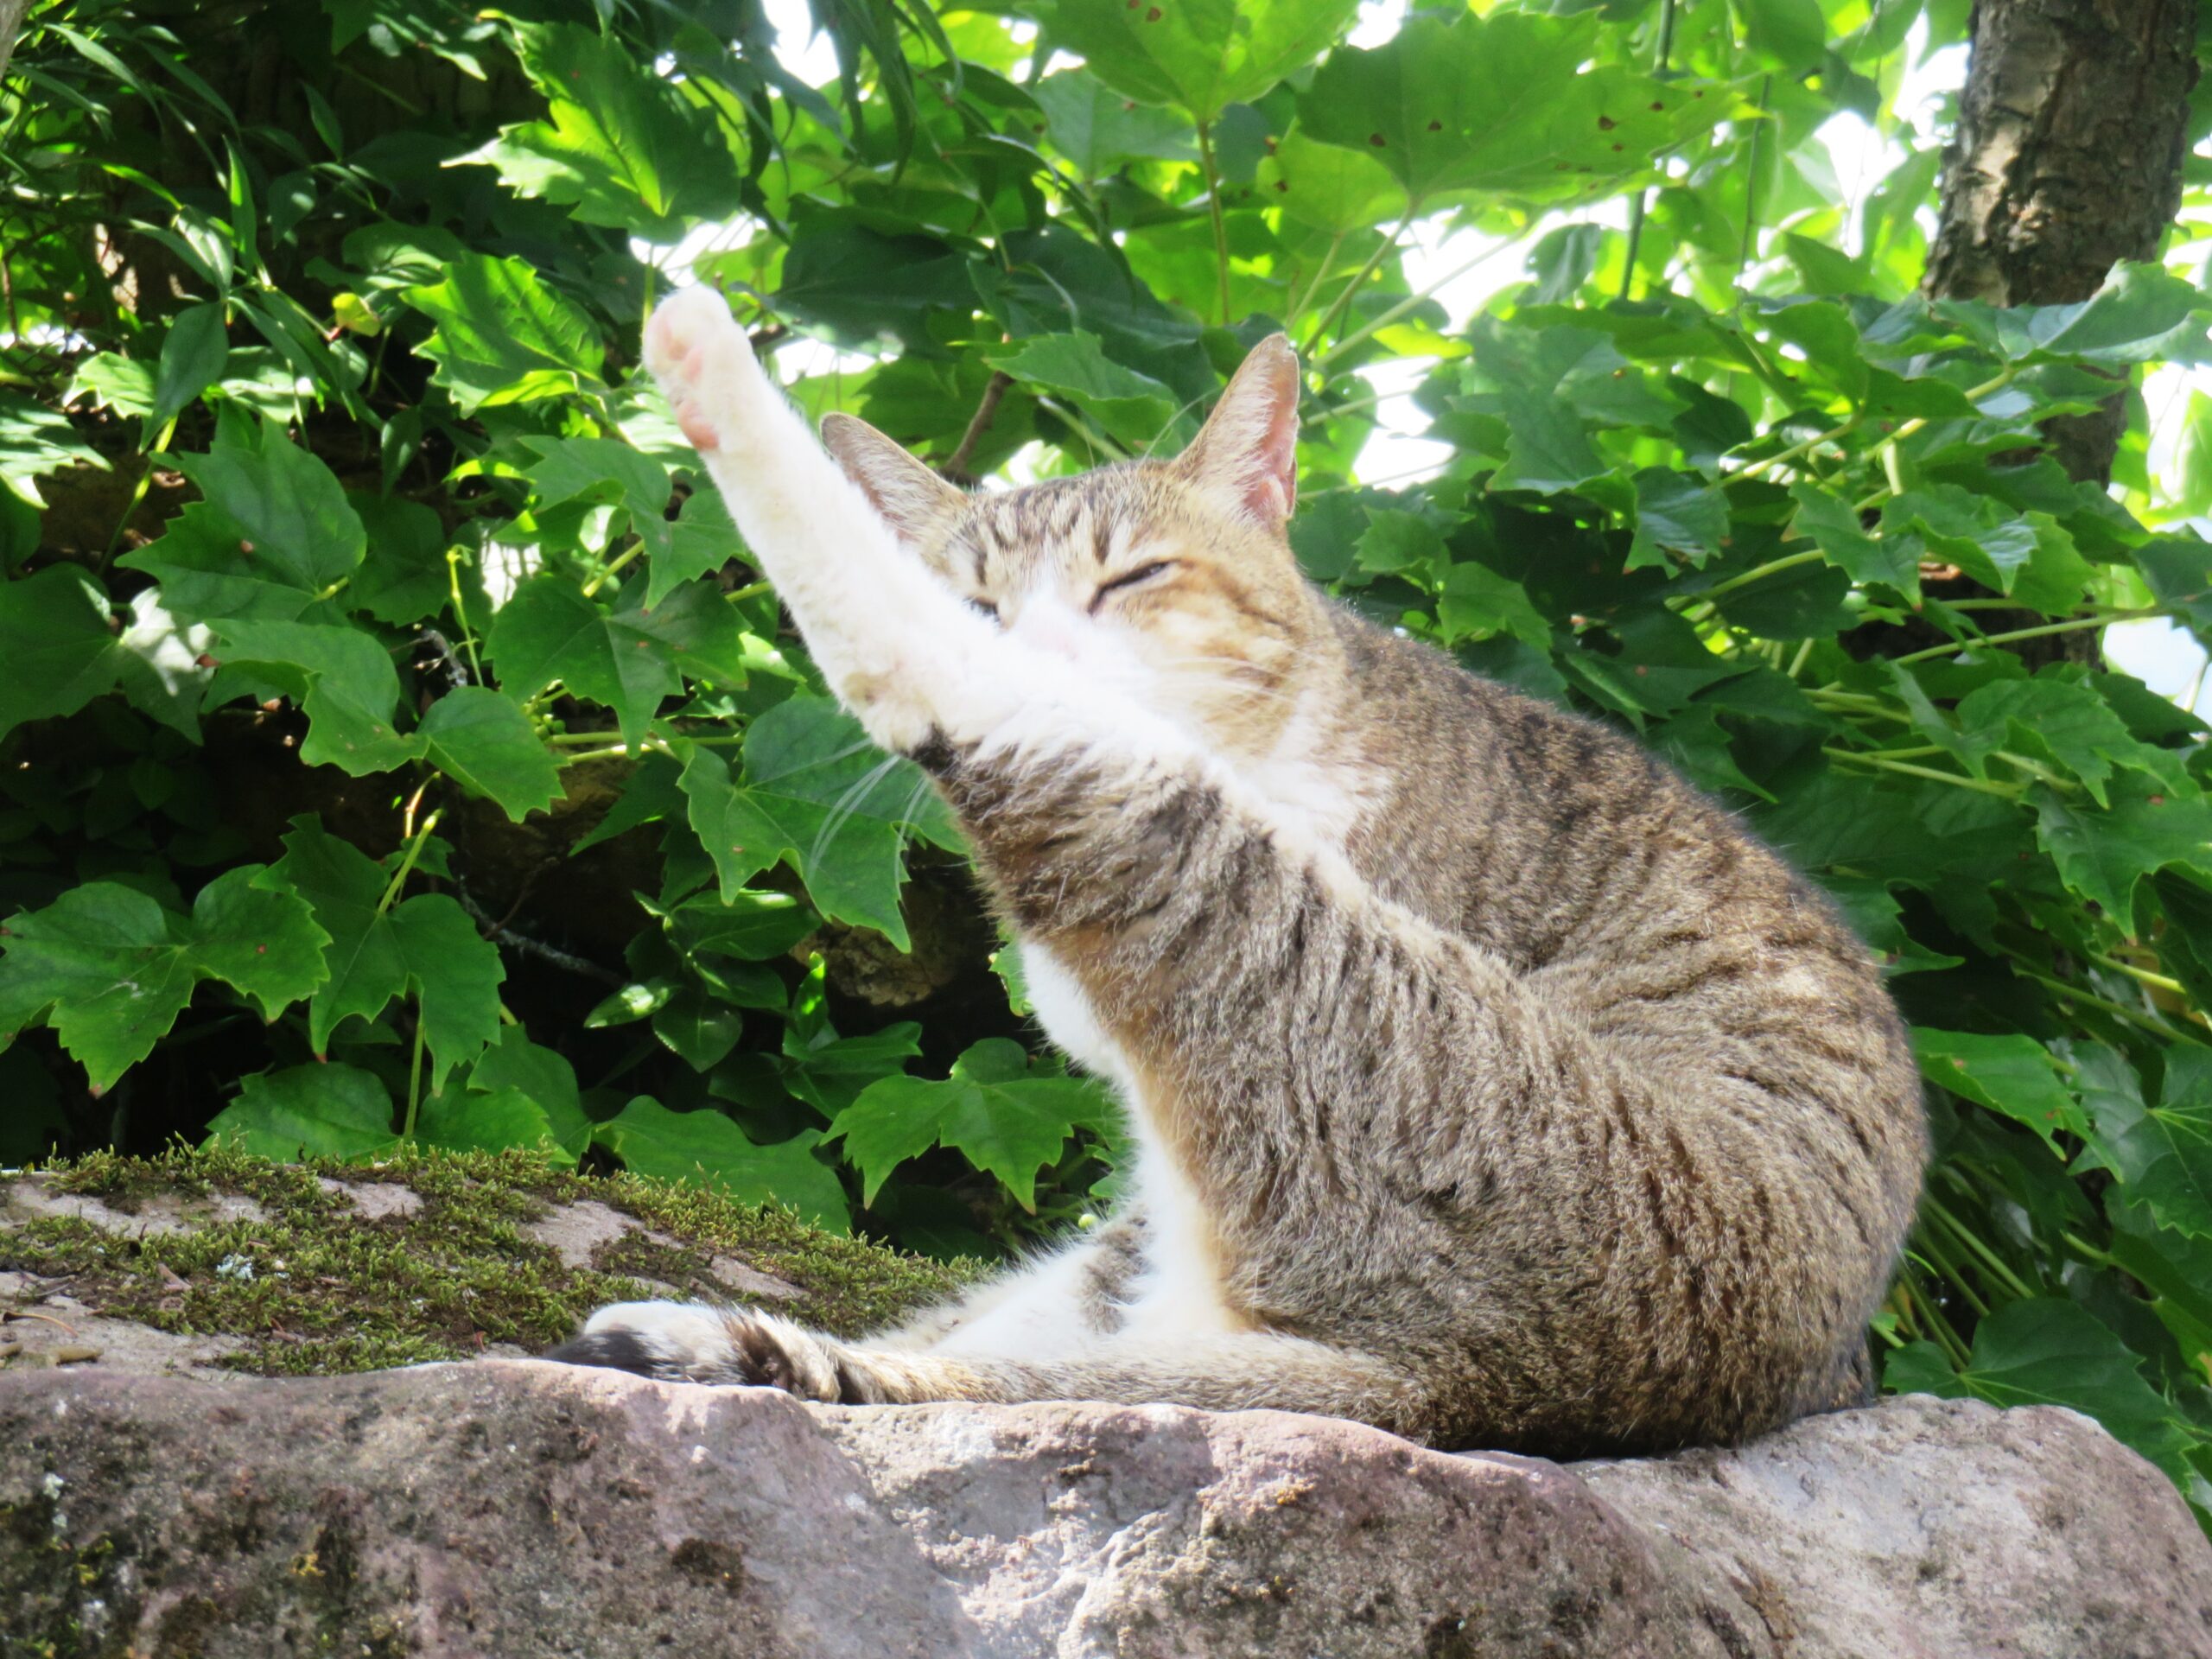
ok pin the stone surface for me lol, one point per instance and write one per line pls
(516, 1508)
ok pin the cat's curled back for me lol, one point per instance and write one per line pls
(1490, 1084)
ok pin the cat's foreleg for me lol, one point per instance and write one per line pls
(896, 646)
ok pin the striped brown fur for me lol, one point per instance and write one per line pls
(1527, 1100)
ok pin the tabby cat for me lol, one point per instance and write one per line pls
(1490, 1084)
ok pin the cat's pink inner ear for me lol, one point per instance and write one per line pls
(1248, 450)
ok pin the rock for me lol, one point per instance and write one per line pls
(211, 1259)
(516, 1508)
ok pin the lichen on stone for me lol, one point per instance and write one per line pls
(316, 1276)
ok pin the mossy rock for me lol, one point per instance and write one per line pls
(216, 1261)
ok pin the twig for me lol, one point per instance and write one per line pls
(986, 408)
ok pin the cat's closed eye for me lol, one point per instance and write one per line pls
(1143, 572)
(983, 605)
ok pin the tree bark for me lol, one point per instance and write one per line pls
(11, 19)
(2072, 130)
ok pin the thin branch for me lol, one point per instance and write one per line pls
(955, 466)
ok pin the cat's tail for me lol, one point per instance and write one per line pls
(1231, 1371)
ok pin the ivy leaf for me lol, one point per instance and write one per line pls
(705, 1147)
(2064, 723)
(2143, 313)
(2046, 1351)
(271, 533)
(1676, 514)
(116, 969)
(403, 578)
(815, 792)
(514, 1065)
(192, 355)
(504, 337)
(425, 946)
(476, 1120)
(2103, 854)
(1132, 407)
(619, 145)
(1097, 129)
(829, 1072)
(1833, 524)
(59, 643)
(993, 1110)
(628, 660)
(1547, 447)
(752, 924)
(1474, 599)
(1335, 190)
(34, 442)
(2011, 1074)
(343, 680)
(1200, 56)
(2166, 1154)
(307, 1111)
(1508, 103)
(484, 742)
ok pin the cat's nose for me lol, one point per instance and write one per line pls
(1044, 622)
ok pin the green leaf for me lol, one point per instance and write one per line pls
(619, 145)
(1097, 129)
(993, 1110)
(483, 1122)
(58, 642)
(193, 356)
(1791, 34)
(484, 742)
(2065, 723)
(34, 442)
(271, 532)
(1509, 104)
(1474, 601)
(1135, 408)
(629, 660)
(504, 337)
(1201, 55)
(1547, 447)
(343, 680)
(307, 1111)
(1676, 514)
(2143, 313)
(2050, 1352)
(752, 924)
(116, 969)
(425, 946)
(2166, 1154)
(815, 792)
(1832, 525)
(707, 1147)
(1333, 189)
(2103, 854)
(2011, 1074)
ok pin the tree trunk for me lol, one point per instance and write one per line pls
(2067, 158)
(11, 19)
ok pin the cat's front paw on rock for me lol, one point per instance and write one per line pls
(689, 1341)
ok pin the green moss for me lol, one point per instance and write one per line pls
(331, 1289)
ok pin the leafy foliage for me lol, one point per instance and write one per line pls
(392, 722)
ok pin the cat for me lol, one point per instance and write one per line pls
(1489, 1084)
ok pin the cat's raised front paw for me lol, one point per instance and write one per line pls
(689, 1341)
(694, 349)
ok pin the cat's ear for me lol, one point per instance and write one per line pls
(913, 500)
(1247, 456)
